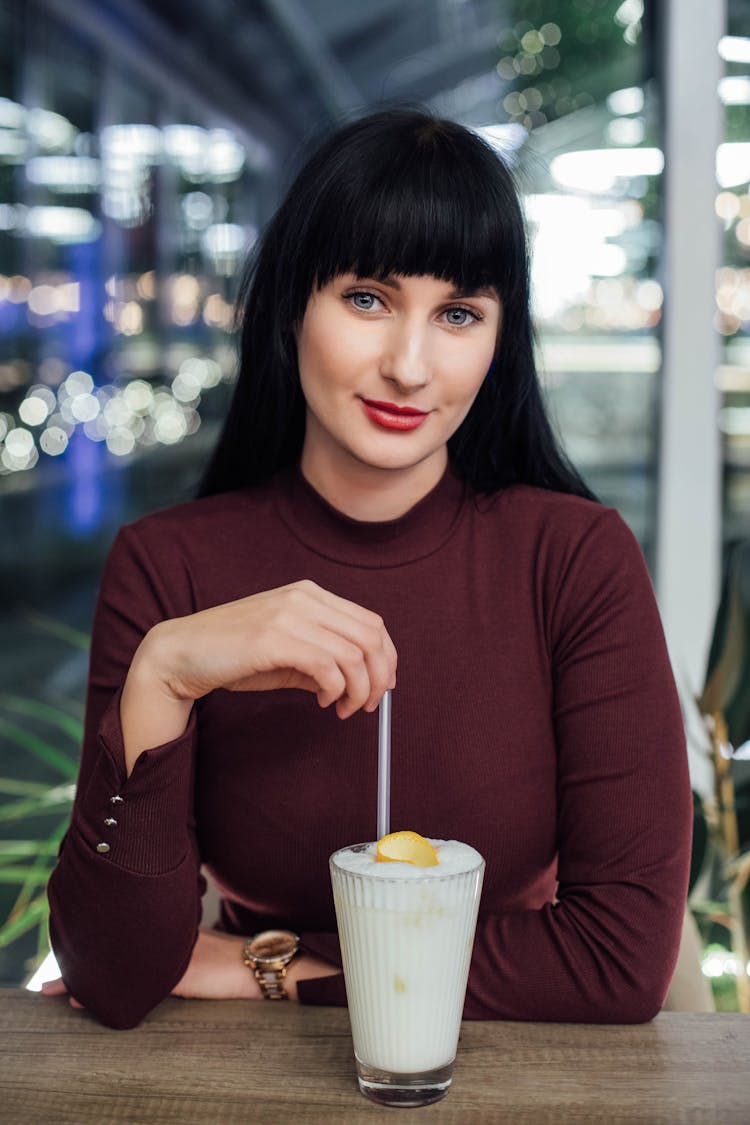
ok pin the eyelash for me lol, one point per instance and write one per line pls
(348, 297)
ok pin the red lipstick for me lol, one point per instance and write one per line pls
(391, 406)
(392, 417)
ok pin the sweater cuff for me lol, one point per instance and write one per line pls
(139, 822)
(326, 991)
(323, 945)
(322, 990)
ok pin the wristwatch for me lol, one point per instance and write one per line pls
(268, 955)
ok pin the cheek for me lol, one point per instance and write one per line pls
(467, 375)
(330, 352)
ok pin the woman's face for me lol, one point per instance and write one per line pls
(408, 341)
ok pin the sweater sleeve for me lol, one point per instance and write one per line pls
(605, 950)
(125, 893)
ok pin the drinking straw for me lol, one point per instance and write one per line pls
(384, 766)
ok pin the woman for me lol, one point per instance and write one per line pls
(386, 489)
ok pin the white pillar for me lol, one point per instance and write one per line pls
(689, 521)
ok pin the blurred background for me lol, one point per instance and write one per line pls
(142, 148)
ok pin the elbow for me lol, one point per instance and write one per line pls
(119, 1017)
(628, 1002)
(638, 1006)
(119, 1009)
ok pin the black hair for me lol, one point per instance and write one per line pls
(404, 192)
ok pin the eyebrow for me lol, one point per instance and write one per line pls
(468, 291)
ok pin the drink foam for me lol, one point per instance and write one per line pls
(454, 858)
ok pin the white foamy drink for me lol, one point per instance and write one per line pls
(406, 936)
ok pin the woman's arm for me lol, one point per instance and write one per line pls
(218, 972)
(605, 950)
(125, 895)
(296, 636)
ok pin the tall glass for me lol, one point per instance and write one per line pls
(406, 938)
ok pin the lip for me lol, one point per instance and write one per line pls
(392, 420)
(393, 409)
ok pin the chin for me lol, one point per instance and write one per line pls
(392, 461)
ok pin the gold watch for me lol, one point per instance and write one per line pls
(268, 955)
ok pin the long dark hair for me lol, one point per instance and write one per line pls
(397, 192)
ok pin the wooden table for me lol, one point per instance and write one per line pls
(234, 1061)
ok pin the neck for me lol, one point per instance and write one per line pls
(367, 492)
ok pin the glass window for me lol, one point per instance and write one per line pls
(123, 219)
(733, 281)
(591, 173)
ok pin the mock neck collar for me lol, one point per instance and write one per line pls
(369, 543)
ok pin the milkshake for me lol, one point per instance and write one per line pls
(406, 934)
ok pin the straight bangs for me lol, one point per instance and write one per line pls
(429, 204)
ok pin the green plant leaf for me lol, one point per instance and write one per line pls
(36, 875)
(60, 797)
(16, 788)
(58, 629)
(708, 906)
(40, 748)
(35, 913)
(43, 947)
(11, 850)
(36, 709)
(58, 832)
(37, 849)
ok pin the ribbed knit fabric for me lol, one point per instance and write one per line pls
(535, 717)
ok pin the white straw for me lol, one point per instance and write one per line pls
(384, 766)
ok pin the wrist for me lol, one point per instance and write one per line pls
(157, 659)
(150, 714)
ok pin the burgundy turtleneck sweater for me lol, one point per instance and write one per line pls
(535, 718)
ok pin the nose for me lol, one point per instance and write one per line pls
(406, 360)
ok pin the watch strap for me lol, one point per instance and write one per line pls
(270, 978)
(271, 982)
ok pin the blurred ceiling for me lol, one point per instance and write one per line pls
(283, 69)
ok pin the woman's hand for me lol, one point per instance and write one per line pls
(297, 636)
(217, 972)
(57, 988)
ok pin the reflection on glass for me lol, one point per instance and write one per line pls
(732, 317)
(122, 243)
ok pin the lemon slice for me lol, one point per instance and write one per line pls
(406, 847)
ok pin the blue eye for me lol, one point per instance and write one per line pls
(462, 312)
(364, 301)
(361, 295)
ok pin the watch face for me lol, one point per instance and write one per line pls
(273, 944)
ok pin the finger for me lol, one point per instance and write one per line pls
(54, 987)
(329, 661)
(74, 1003)
(352, 609)
(364, 645)
(368, 634)
(355, 664)
(365, 673)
